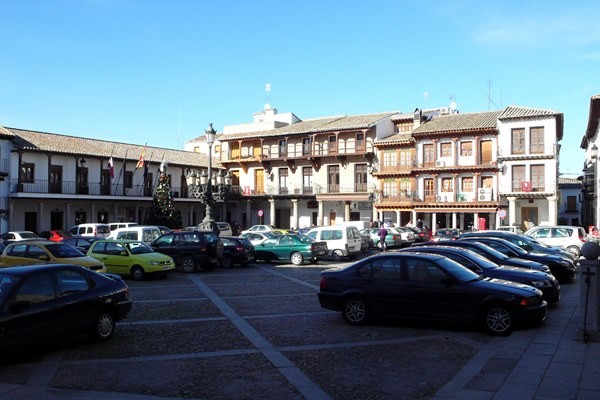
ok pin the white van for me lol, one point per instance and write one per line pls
(97, 230)
(117, 225)
(342, 240)
(140, 233)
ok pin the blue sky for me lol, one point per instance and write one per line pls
(157, 72)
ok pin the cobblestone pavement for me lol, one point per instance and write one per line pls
(244, 333)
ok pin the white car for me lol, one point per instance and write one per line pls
(513, 229)
(263, 228)
(407, 235)
(18, 235)
(569, 237)
(257, 238)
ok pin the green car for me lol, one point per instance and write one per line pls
(294, 248)
(130, 257)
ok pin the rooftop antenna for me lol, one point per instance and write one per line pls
(489, 96)
(452, 104)
(426, 97)
(268, 96)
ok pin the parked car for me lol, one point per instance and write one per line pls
(131, 258)
(81, 243)
(428, 286)
(53, 235)
(116, 225)
(525, 242)
(191, 250)
(512, 229)
(237, 250)
(421, 234)
(46, 252)
(491, 254)
(407, 235)
(569, 237)
(92, 229)
(547, 283)
(51, 301)
(365, 241)
(563, 270)
(257, 238)
(263, 228)
(164, 229)
(141, 233)
(294, 248)
(392, 239)
(224, 229)
(446, 234)
(342, 240)
(14, 236)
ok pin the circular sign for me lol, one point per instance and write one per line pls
(261, 213)
(502, 213)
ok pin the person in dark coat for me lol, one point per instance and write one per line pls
(382, 234)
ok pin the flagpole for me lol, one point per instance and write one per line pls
(146, 166)
(121, 172)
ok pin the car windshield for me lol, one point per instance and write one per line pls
(28, 235)
(139, 248)
(61, 250)
(460, 272)
(304, 238)
(490, 251)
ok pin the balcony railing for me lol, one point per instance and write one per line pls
(298, 151)
(91, 188)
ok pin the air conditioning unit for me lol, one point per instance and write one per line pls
(440, 163)
(484, 194)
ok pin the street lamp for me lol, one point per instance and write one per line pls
(209, 188)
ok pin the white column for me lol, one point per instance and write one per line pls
(413, 218)
(461, 218)
(498, 220)
(454, 220)
(320, 214)
(272, 211)
(433, 222)
(512, 210)
(398, 220)
(476, 220)
(346, 211)
(295, 219)
(552, 210)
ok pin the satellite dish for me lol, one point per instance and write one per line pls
(453, 105)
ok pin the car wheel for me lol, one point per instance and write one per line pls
(498, 320)
(575, 250)
(188, 264)
(137, 273)
(104, 326)
(226, 262)
(338, 255)
(297, 258)
(355, 311)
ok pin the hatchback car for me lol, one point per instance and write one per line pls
(392, 239)
(191, 250)
(421, 235)
(44, 252)
(569, 237)
(294, 248)
(131, 258)
(406, 234)
(50, 301)
(428, 286)
(547, 283)
(237, 250)
(446, 234)
(53, 235)
(81, 243)
(15, 236)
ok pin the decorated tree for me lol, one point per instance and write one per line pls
(163, 211)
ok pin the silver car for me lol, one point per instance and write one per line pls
(568, 237)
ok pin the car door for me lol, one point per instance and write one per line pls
(166, 244)
(116, 257)
(284, 248)
(75, 308)
(30, 315)
(386, 290)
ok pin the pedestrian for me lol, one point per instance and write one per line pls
(382, 234)
(419, 223)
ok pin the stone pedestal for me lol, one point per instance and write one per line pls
(589, 282)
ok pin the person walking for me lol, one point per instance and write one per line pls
(382, 234)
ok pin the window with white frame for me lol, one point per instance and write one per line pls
(536, 140)
(390, 188)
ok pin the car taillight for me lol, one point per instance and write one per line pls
(239, 248)
(322, 283)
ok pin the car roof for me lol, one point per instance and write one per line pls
(26, 269)
(34, 241)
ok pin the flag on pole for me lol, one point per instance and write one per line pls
(111, 168)
(140, 163)
(163, 165)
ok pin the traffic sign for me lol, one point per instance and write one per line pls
(502, 213)
(261, 213)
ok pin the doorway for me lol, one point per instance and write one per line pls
(56, 220)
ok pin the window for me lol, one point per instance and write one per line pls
(307, 180)
(390, 158)
(360, 178)
(571, 203)
(537, 178)
(518, 177)
(536, 140)
(306, 148)
(424, 271)
(386, 268)
(332, 144)
(283, 175)
(128, 179)
(518, 141)
(466, 149)
(71, 282)
(27, 172)
(36, 289)
(282, 148)
(35, 252)
(390, 189)
(446, 149)
(405, 187)
(428, 156)
(467, 184)
(428, 183)
(360, 142)
(333, 178)
(487, 182)
(405, 158)
(447, 185)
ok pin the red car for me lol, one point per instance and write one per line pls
(54, 235)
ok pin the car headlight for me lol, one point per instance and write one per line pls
(154, 263)
(540, 283)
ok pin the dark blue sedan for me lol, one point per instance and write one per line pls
(428, 286)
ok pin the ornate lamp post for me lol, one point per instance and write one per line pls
(206, 187)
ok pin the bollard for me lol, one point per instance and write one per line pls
(589, 282)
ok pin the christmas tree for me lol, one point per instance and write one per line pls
(163, 211)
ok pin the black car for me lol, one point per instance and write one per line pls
(81, 243)
(421, 234)
(563, 270)
(527, 243)
(428, 286)
(493, 255)
(547, 283)
(236, 250)
(191, 250)
(39, 303)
